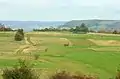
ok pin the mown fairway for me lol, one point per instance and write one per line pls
(95, 54)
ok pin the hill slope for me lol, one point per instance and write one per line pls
(94, 23)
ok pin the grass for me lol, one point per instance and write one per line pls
(74, 58)
(7, 63)
(7, 43)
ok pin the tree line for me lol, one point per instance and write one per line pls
(78, 29)
(83, 28)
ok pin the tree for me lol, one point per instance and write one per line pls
(71, 29)
(115, 32)
(19, 36)
(46, 29)
(83, 28)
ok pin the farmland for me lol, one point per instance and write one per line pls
(87, 53)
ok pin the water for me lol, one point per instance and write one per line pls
(30, 25)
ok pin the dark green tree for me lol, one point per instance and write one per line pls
(71, 29)
(115, 32)
(83, 28)
(19, 36)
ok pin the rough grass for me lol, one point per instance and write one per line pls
(78, 57)
(7, 43)
(105, 42)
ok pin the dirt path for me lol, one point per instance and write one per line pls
(28, 45)
(31, 45)
(21, 48)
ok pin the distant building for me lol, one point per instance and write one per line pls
(4, 28)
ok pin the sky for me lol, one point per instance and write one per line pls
(60, 10)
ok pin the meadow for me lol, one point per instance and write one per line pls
(87, 53)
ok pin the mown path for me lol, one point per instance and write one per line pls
(29, 44)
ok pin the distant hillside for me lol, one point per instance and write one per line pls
(29, 25)
(94, 23)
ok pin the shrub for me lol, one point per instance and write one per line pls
(84, 77)
(22, 71)
(61, 75)
(19, 36)
(66, 75)
(118, 73)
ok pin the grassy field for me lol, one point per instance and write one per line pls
(101, 56)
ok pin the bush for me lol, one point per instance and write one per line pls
(118, 75)
(22, 71)
(118, 72)
(19, 36)
(66, 75)
(61, 75)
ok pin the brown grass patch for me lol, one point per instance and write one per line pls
(105, 42)
(68, 75)
(34, 48)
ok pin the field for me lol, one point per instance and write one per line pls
(88, 53)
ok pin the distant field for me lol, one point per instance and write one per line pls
(95, 57)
